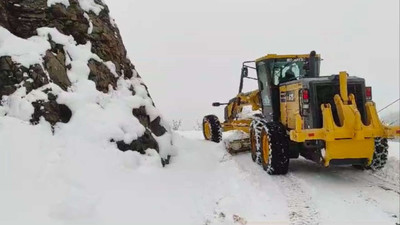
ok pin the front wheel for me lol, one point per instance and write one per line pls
(255, 140)
(212, 130)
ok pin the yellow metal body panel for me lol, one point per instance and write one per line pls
(251, 98)
(243, 125)
(230, 107)
(349, 149)
(290, 107)
(343, 85)
(243, 99)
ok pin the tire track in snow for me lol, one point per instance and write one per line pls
(383, 179)
(383, 183)
(301, 208)
(371, 187)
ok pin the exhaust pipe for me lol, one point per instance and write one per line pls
(312, 63)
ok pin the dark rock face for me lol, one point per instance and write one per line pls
(9, 76)
(141, 144)
(55, 66)
(101, 75)
(51, 111)
(156, 128)
(144, 119)
(23, 17)
(12, 74)
(141, 115)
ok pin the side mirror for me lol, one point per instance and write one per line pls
(245, 72)
(216, 104)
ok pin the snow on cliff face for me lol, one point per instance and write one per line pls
(83, 94)
(74, 113)
(74, 78)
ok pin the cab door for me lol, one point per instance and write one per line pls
(265, 92)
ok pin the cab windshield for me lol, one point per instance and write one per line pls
(287, 70)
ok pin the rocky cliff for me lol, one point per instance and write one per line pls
(63, 61)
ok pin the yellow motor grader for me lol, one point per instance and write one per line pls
(331, 120)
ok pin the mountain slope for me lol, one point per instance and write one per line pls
(63, 62)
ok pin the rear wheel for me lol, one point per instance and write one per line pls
(212, 130)
(380, 154)
(274, 149)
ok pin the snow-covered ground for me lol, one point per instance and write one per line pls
(43, 181)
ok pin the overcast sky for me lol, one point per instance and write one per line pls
(189, 53)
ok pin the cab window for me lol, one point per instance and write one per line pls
(287, 70)
(263, 84)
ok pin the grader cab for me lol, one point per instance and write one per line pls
(331, 120)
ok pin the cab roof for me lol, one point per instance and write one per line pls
(275, 56)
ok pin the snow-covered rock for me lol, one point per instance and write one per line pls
(63, 63)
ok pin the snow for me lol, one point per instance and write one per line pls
(59, 178)
(112, 22)
(16, 106)
(67, 179)
(247, 113)
(28, 52)
(111, 66)
(53, 2)
(394, 149)
(90, 29)
(97, 116)
(234, 135)
(90, 6)
(79, 55)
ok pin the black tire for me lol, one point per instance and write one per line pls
(380, 154)
(215, 128)
(294, 149)
(256, 127)
(278, 140)
(253, 145)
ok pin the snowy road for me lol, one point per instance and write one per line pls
(309, 193)
(51, 182)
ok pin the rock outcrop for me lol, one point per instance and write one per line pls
(67, 25)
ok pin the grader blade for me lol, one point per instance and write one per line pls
(236, 146)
